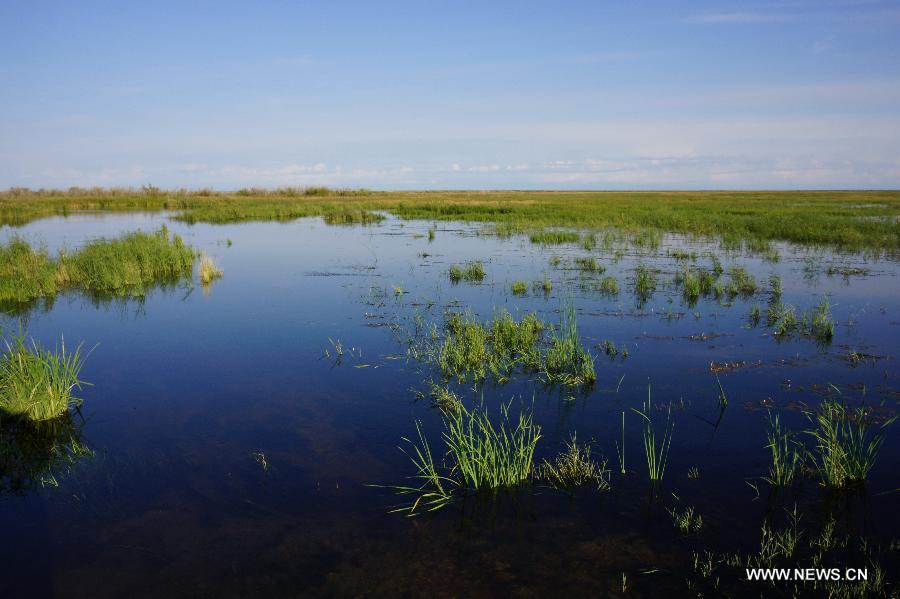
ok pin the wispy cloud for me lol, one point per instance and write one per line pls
(740, 17)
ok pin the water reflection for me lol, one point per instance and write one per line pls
(38, 453)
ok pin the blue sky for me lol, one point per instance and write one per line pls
(561, 95)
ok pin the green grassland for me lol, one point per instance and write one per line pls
(841, 219)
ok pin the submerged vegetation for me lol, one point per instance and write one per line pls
(123, 267)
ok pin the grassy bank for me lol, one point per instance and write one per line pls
(846, 219)
(123, 267)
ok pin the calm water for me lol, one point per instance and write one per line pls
(188, 385)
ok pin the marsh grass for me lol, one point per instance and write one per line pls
(686, 521)
(656, 449)
(609, 286)
(832, 218)
(37, 383)
(816, 324)
(472, 272)
(122, 267)
(644, 283)
(486, 456)
(574, 467)
(846, 447)
(472, 349)
(480, 456)
(567, 361)
(554, 237)
(209, 271)
(786, 454)
(519, 288)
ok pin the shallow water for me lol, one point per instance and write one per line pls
(189, 384)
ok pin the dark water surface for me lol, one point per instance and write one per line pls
(190, 383)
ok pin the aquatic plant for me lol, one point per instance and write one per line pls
(121, 267)
(208, 270)
(548, 237)
(445, 400)
(656, 450)
(609, 286)
(473, 272)
(845, 449)
(519, 287)
(486, 456)
(686, 521)
(38, 383)
(574, 467)
(644, 283)
(589, 264)
(566, 360)
(431, 234)
(546, 285)
(481, 456)
(785, 453)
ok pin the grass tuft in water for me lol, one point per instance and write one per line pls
(548, 237)
(567, 361)
(845, 447)
(37, 383)
(472, 272)
(480, 456)
(785, 453)
(519, 287)
(656, 451)
(574, 468)
(209, 272)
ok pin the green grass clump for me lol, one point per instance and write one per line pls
(123, 267)
(817, 324)
(471, 349)
(546, 285)
(845, 451)
(445, 400)
(686, 521)
(465, 349)
(128, 265)
(690, 286)
(574, 468)
(609, 285)
(26, 273)
(644, 283)
(741, 283)
(821, 325)
(343, 215)
(519, 287)
(786, 454)
(491, 457)
(480, 456)
(589, 265)
(567, 361)
(554, 237)
(472, 272)
(514, 343)
(37, 383)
